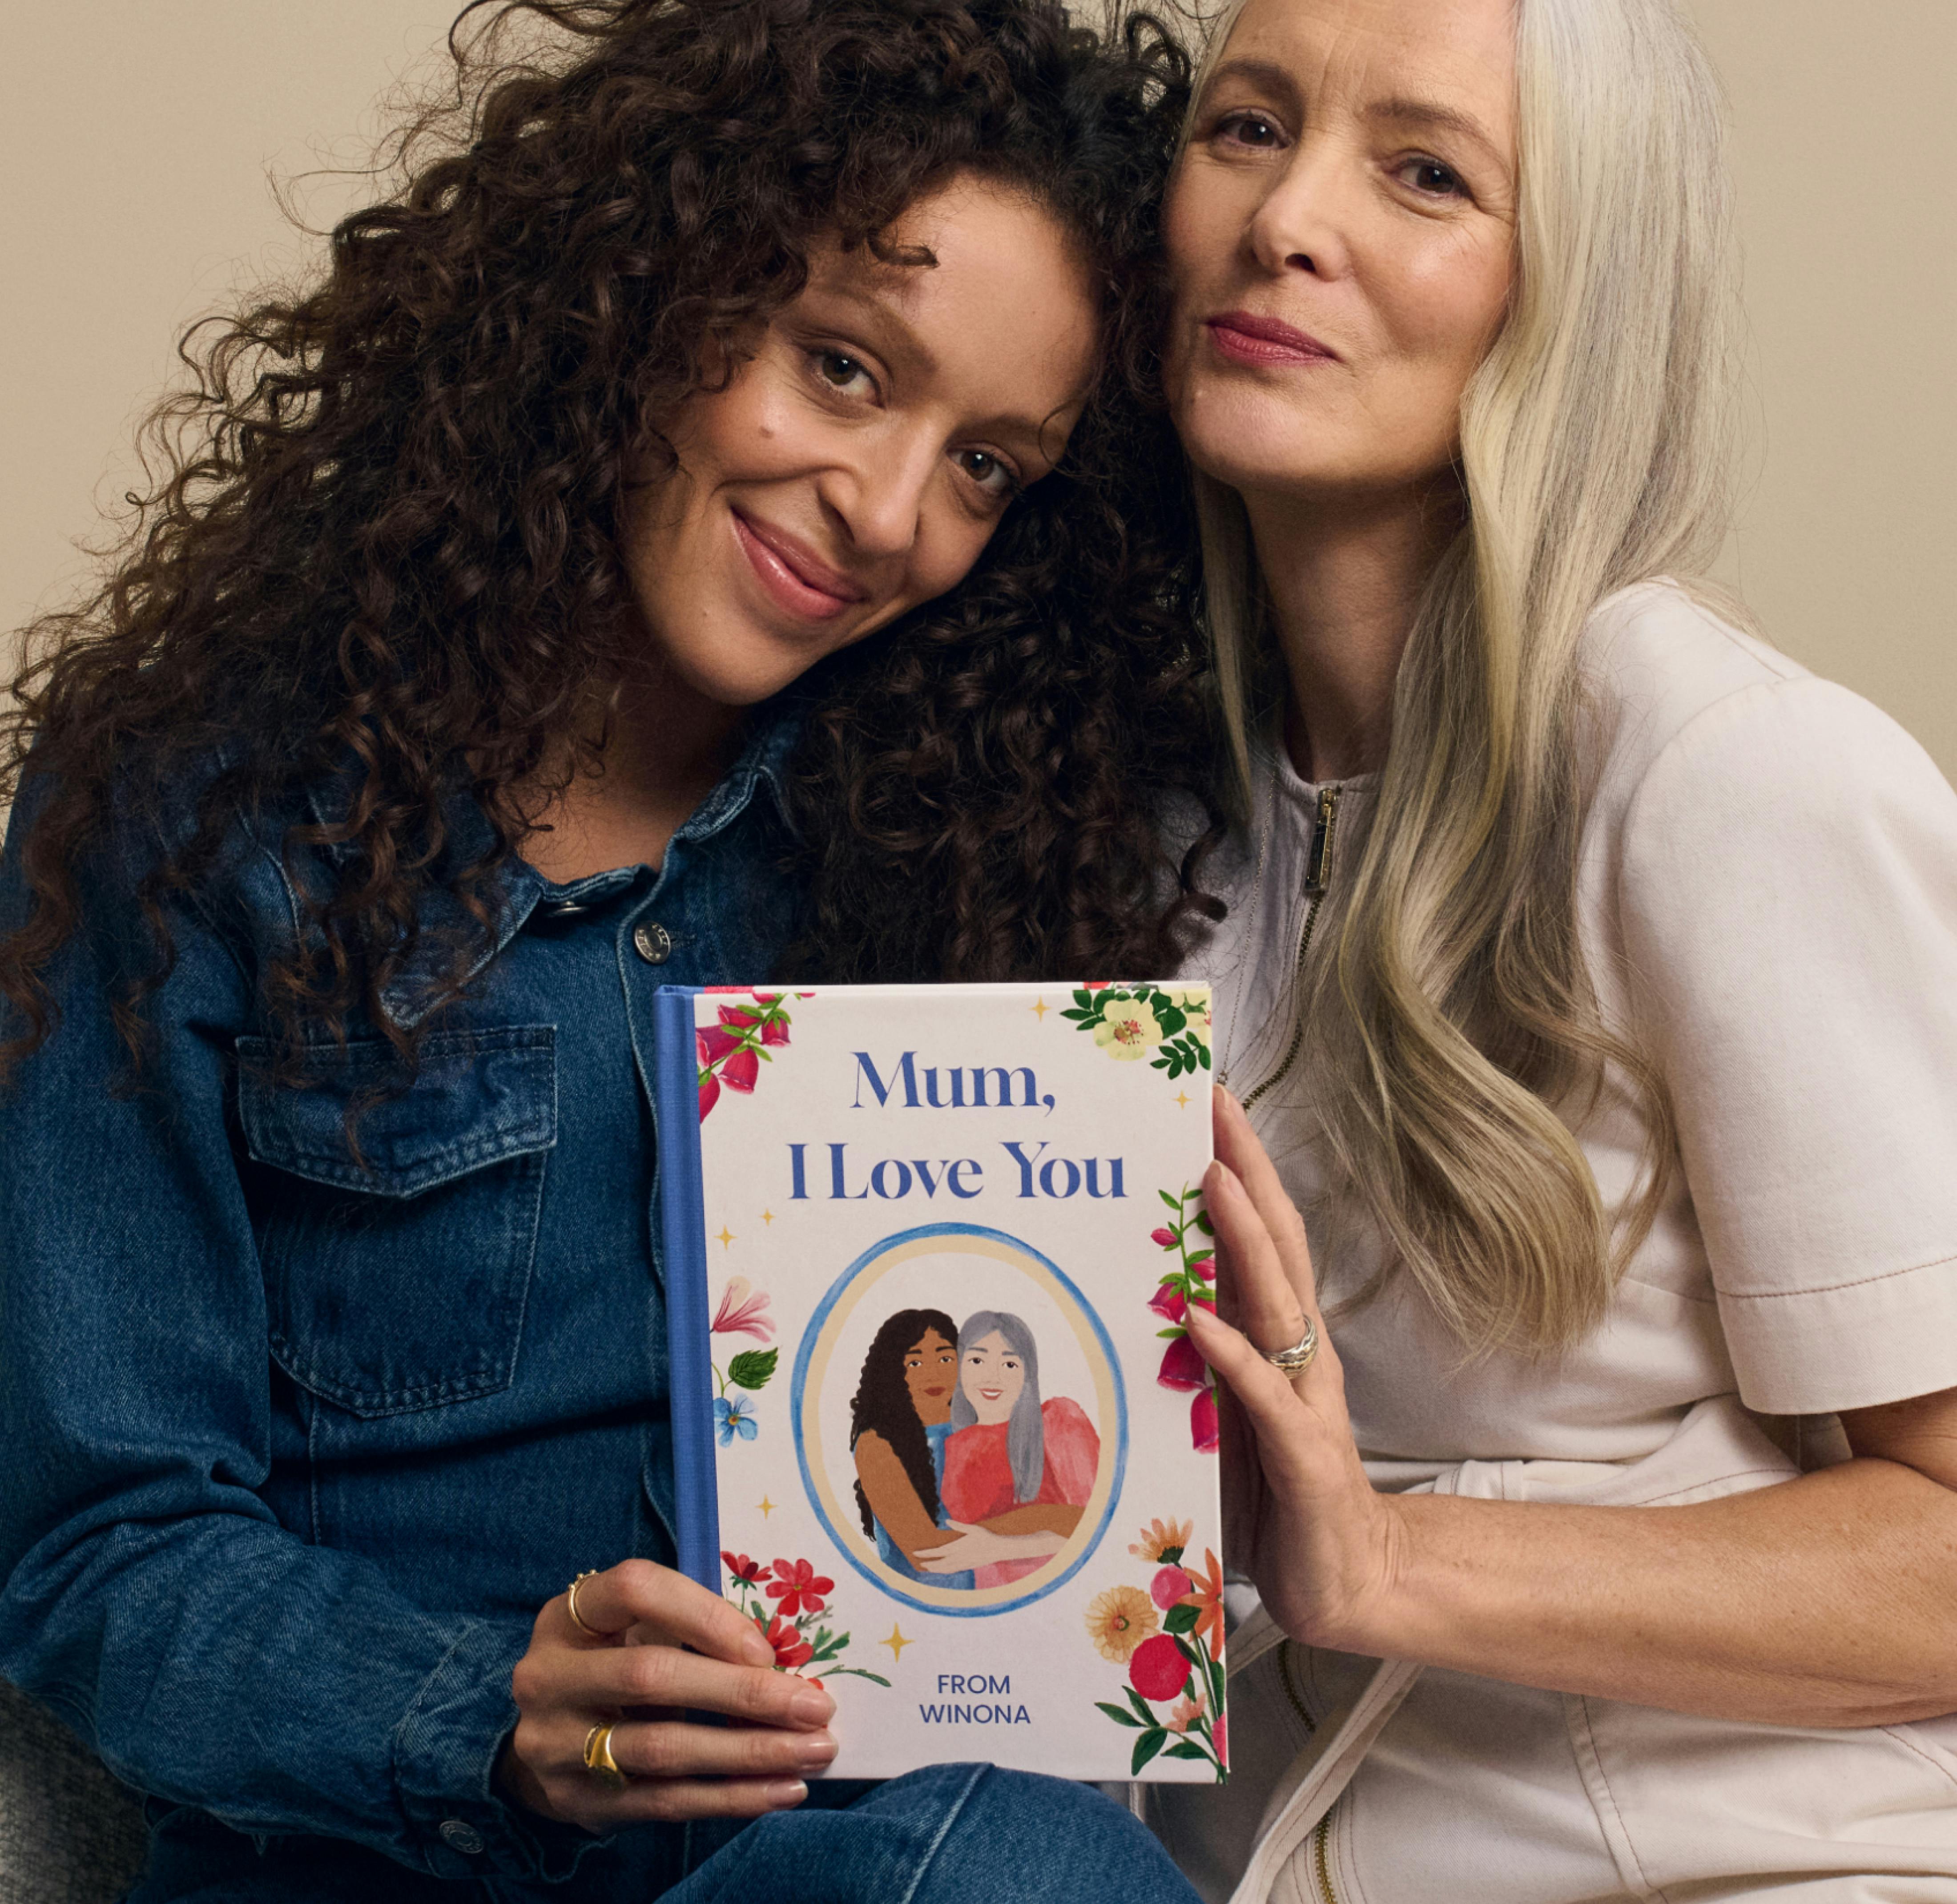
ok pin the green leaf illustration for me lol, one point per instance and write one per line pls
(1173, 1203)
(857, 1672)
(1203, 1224)
(1140, 1706)
(1117, 1714)
(1147, 1747)
(1185, 1749)
(1181, 1619)
(753, 1367)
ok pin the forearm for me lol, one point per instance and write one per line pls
(1823, 1600)
(1038, 1517)
(217, 1661)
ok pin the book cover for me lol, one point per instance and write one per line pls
(939, 1429)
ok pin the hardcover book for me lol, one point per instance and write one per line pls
(938, 1427)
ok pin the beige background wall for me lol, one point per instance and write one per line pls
(136, 136)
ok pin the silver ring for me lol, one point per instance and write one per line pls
(1300, 1355)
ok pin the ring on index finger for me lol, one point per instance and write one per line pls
(1300, 1355)
(571, 1605)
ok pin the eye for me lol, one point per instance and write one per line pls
(1432, 180)
(1254, 130)
(843, 373)
(988, 472)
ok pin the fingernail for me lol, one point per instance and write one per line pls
(815, 1751)
(812, 1707)
(781, 1793)
(758, 1649)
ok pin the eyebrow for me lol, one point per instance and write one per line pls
(1416, 112)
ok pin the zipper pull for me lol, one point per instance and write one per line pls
(1318, 866)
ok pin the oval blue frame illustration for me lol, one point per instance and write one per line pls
(805, 1352)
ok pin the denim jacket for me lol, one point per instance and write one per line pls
(297, 1443)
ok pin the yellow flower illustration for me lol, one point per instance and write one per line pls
(1159, 1536)
(1127, 1029)
(1119, 1620)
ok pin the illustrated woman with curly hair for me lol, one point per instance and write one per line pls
(711, 524)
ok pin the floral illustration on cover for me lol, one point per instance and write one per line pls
(1187, 1235)
(743, 1311)
(793, 1625)
(731, 1053)
(1169, 1636)
(1131, 1022)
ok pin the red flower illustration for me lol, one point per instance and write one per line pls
(1165, 1237)
(791, 1649)
(1219, 1737)
(714, 1043)
(1182, 1366)
(1203, 1429)
(710, 1093)
(1158, 1670)
(739, 1072)
(1170, 1302)
(741, 1566)
(798, 1587)
(1204, 1266)
(775, 1032)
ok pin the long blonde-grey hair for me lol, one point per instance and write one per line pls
(1456, 1037)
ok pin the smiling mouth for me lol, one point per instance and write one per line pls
(933, 1392)
(795, 577)
(1245, 338)
(991, 1394)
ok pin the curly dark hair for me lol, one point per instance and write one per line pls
(384, 554)
(882, 1404)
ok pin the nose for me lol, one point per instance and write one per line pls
(877, 494)
(1302, 223)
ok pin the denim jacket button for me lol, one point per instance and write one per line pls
(652, 941)
(459, 1837)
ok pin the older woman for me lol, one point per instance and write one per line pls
(441, 712)
(1587, 986)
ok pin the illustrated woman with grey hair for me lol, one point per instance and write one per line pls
(1022, 1467)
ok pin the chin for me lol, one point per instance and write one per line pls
(744, 670)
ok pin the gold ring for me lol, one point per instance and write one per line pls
(571, 1604)
(1299, 1357)
(598, 1759)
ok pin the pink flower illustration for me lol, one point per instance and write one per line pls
(1169, 1586)
(740, 1071)
(1219, 1737)
(1205, 1267)
(742, 1312)
(1203, 1429)
(1183, 1714)
(710, 1093)
(1163, 1238)
(1157, 1669)
(1182, 1366)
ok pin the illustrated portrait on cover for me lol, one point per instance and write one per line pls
(953, 1440)
(966, 1445)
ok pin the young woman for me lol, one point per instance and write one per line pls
(900, 1421)
(1586, 986)
(440, 712)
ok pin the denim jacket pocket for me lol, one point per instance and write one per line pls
(397, 1278)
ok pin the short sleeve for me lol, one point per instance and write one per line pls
(1072, 1453)
(1788, 901)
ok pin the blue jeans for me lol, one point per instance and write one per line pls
(949, 1834)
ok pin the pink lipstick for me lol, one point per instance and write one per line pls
(797, 579)
(1245, 338)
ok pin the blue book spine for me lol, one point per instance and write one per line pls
(683, 1235)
